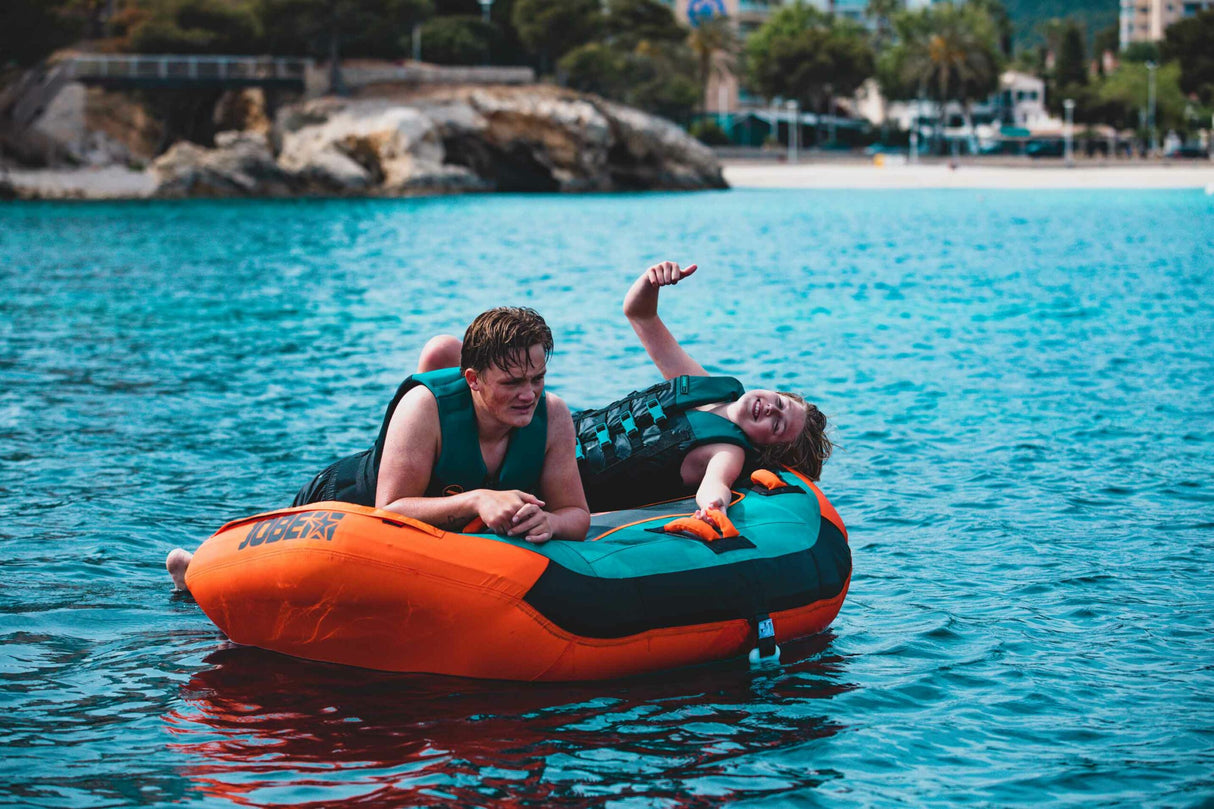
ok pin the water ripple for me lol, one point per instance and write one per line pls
(1020, 388)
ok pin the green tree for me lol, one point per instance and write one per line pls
(801, 53)
(197, 26)
(598, 68)
(715, 44)
(663, 81)
(1107, 40)
(880, 14)
(1140, 52)
(329, 29)
(1069, 79)
(457, 40)
(1121, 99)
(457, 8)
(1071, 67)
(1191, 43)
(944, 52)
(628, 23)
(31, 29)
(551, 28)
(1005, 30)
(657, 79)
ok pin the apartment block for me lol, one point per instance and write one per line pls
(1146, 20)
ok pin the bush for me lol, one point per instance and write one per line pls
(709, 132)
(596, 68)
(658, 80)
(198, 26)
(458, 40)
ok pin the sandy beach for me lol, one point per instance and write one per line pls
(105, 182)
(114, 182)
(752, 174)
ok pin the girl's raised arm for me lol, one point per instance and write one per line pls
(641, 309)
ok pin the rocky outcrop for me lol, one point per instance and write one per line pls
(651, 152)
(57, 123)
(241, 165)
(421, 140)
(545, 138)
(367, 147)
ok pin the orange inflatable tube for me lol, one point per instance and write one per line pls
(347, 584)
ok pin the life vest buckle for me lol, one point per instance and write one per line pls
(578, 452)
(656, 412)
(603, 435)
(630, 425)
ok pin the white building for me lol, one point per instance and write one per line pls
(1019, 103)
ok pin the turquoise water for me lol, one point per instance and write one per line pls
(1020, 384)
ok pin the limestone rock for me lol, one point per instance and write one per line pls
(652, 152)
(240, 165)
(243, 110)
(559, 138)
(64, 134)
(366, 146)
(404, 139)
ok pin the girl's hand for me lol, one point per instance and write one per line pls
(668, 273)
(718, 503)
(641, 302)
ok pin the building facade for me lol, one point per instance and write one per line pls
(1146, 20)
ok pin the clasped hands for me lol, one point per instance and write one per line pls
(515, 513)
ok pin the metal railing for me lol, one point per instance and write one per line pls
(434, 74)
(250, 69)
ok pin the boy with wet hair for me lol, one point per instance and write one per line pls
(471, 438)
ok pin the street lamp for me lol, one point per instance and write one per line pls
(794, 130)
(1069, 132)
(1151, 67)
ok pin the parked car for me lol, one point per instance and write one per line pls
(1190, 152)
(1045, 148)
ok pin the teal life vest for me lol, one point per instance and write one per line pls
(460, 465)
(631, 452)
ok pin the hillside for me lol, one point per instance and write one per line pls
(1029, 15)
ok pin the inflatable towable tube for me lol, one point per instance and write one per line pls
(347, 584)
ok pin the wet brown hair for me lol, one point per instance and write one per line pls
(502, 337)
(808, 451)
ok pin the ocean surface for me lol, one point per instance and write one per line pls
(1020, 386)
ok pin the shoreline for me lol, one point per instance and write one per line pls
(1035, 176)
(121, 183)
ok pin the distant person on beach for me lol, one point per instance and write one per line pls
(693, 433)
(471, 436)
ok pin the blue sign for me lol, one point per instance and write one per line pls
(700, 10)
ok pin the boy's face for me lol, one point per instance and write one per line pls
(510, 395)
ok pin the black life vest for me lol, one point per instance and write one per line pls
(631, 452)
(460, 465)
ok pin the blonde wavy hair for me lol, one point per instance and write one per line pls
(808, 451)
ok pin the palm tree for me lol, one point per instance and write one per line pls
(881, 13)
(715, 44)
(956, 55)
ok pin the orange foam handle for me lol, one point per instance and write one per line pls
(691, 525)
(477, 526)
(766, 478)
(723, 523)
